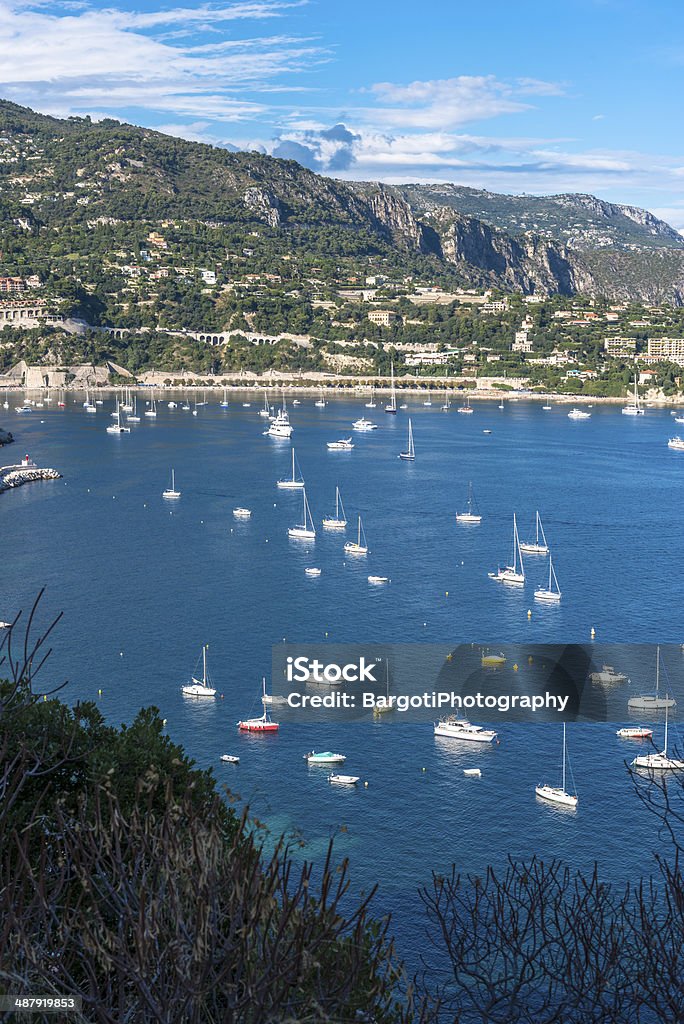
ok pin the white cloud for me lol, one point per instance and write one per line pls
(446, 102)
(71, 62)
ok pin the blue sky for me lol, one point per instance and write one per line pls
(582, 96)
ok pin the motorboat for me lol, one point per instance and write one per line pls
(635, 732)
(242, 513)
(344, 445)
(230, 758)
(454, 728)
(578, 414)
(312, 571)
(378, 579)
(677, 443)
(364, 425)
(324, 757)
(343, 780)
(608, 676)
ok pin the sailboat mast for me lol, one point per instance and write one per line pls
(665, 747)
(563, 756)
(204, 659)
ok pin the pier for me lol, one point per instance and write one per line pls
(23, 473)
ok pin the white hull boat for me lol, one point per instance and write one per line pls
(558, 794)
(294, 482)
(538, 546)
(306, 530)
(454, 728)
(230, 758)
(410, 453)
(659, 761)
(472, 515)
(325, 757)
(197, 687)
(513, 575)
(343, 780)
(356, 547)
(551, 594)
(171, 491)
(339, 520)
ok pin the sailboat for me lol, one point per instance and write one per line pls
(152, 411)
(472, 515)
(356, 547)
(320, 404)
(133, 417)
(513, 574)
(465, 408)
(371, 404)
(410, 454)
(266, 411)
(559, 795)
(307, 530)
(634, 407)
(339, 520)
(428, 401)
(387, 702)
(659, 761)
(538, 546)
(391, 406)
(263, 723)
(118, 427)
(127, 405)
(195, 688)
(171, 491)
(652, 701)
(225, 403)
(88, 405)
(447, 402)
(551, 593)
(294, 482)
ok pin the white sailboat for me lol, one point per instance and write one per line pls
(634, 408)
(447, 401)
(428, 401)
(133, 417)
(294, 482)
(410, 454)
(195, 688)
(118, 427)
(127, 404)
(152, 411)
(307, 530)
(472, 515)
(225, 403)
(371, 404)
(538, 546)
(512, 574)
(652, 701)
(320, 404)
(558, 794)
(339, 520)
(551, 593)
(659, 761)
(357, 547)
(465, 408)
(171, 491)
(391, 406)
(266, 411)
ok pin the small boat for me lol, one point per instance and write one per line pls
(266, 411)
(133, 417)
(454, 728)
(634, 408)
(488, 660)
(246, 405)
(371, 404)
(320, 404)
(296, 402)
(185, 408)
(118, 427)
(512, 574)
(152, 411)
(306, 530)
(171, 491)
(364, 425)
(230, 758)
(343, 780)
(242, 513)
(384, 705)
(197, 688)
(356, 547)
(378, 579)
(172, 405)
(26, 408)
(677, 443)
(558, 794)
(465, 409)
(339, 520)
(472, 515)
(325, 757)
(391, 406)
(447, 403)
(659, 761)
(486, 431)
(473, 773)
(546, 408)
(344, 445)
(551, 593)
(5, 625)
(679, 419)
(312, 572)
(428, 401)
(608, 676)
(410, 453)
(652, 701)
(635, 732)
(578, 414)
(538, 546)
(224, 403)
(295, 482)
(261, 724)
(403, 405)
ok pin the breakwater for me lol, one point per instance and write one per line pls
(15, 476)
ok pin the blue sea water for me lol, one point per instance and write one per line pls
(144, 583)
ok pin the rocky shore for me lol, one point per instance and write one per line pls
(24, 473)
(5, 437)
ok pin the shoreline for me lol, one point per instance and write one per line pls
(352, 389)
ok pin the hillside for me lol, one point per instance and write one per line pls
(89, 187)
